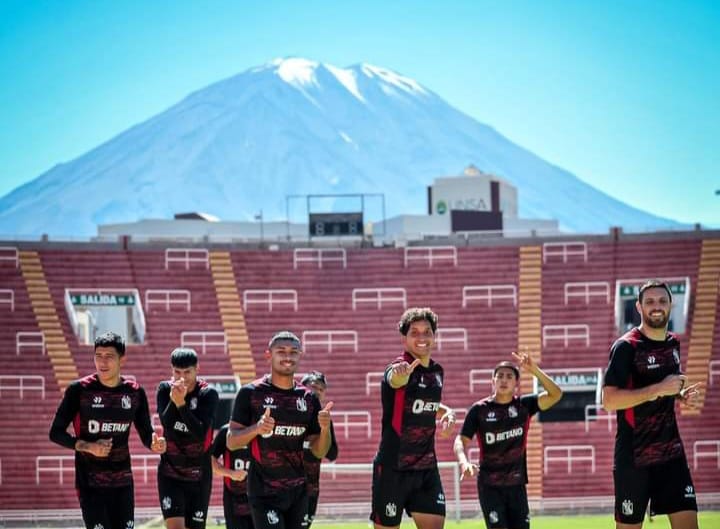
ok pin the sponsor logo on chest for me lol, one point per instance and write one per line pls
(107, 427)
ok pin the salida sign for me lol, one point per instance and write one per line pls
(103, 299)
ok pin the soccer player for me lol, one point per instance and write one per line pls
(101, 408)
(317, 382)
(501, 423)
(642, 382)
(274, 416)
(233, 469)
(186, 405)
(405, 471)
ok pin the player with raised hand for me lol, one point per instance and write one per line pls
(501, 422)
(186, 405)
(317, 382)
(274, 417)
(101, 407)
(405, 471)
(643, 382)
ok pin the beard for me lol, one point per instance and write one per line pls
(656, 323)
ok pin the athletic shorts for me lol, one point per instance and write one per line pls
(668, 487)
(185, 499)
(415, 491)
(237, 511)
(504, 506)
(109, 508)
(285, 510)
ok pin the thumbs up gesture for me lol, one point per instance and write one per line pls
(400, 373)
(266, 424)
(324, 418)
(158, 444)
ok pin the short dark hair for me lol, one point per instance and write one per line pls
(285, 336)
(508, 365)
(111, 339)
(314, 377)
(653, 283)
(183, 357)
(417, 314)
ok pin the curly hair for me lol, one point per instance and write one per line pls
(417, 314)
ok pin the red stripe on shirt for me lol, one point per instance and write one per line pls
(398, 408)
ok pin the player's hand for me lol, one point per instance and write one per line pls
(690, 396)
(671, 385)
(467, 469)
(100, 448)
(237, 475)
(266, 424)
(324, 418)
(447, 424)
(158, 444)
(525, 361)
(403, 369)
(178, 391)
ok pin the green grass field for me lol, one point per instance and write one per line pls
(708, 519)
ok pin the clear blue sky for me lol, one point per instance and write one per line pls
(625, 94)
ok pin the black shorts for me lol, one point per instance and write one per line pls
(286, 510)
(504, 506)
(110, 508)
(185, 499)
(237, 511)
(393, 491)
(668, 487)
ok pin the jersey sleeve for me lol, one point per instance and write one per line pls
(530, 403)
(333, 452)
(65, 414)
(220, 442)
(165, 411)
(620, 365)
(471, 423)
(143, 425)
(314, 426)
(242, 411)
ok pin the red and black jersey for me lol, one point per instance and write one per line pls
(502, 431)
(647, 434)
(312, 464)
(188, 431)
(100, 412)
(409, 417)
(237, 460)
(277, 459)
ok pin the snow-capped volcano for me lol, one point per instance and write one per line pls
(296, 126)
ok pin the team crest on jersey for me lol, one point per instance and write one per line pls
(676, 356)
(512, 411)
(126, 402)
(390, 510)
(301, 404)
(438, 378)
(272, 517)
(493, 517)
(166, 503)
(627, 507)
(193, 403)
(97, 402)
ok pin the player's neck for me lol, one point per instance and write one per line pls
(109, 382)
(658, 335)
(282, 381)
(503, 399)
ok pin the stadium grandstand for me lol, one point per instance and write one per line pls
(565, 297)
